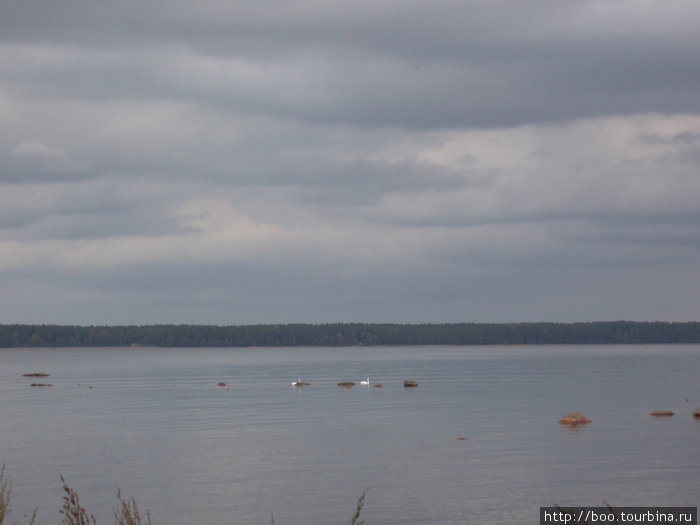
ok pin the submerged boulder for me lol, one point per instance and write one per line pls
(221, 383)
(574, 419)
(661, 413)
(41, 384)
(346, 384)
(410, 383)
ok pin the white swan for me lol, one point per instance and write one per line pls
(299, 383)
(365, 382)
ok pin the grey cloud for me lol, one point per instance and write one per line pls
(103, 225)
(417, 66)
(363, 182)
(35, 162)
(674, 231)
(458, 291)
(682, 138)
(73, 210)
(321, 161)
(687, 144)
(370, 91)
(690, 156)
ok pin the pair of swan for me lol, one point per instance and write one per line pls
(299, 382)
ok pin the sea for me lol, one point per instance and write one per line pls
(476, 442)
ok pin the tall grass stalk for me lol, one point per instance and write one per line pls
(4, 495)
(127, 513)
(5, 490)
(358, 509)
(74, 513)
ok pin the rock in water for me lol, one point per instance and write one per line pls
(661, 413)
(410, 383)
(574, 419)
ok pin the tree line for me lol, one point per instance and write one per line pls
(350, 334)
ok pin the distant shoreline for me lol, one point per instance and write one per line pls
(349, 334)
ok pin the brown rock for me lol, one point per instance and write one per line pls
(661, 413)
(410, 383)
(378, 385)
(574, 419)
(697, 413)
(221, 383)
(36, 374)
(346, 384)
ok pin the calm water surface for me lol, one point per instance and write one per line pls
(156, 423)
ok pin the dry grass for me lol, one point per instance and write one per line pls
(4, 495)
(125, 513)
(358, 509)
(5, 490)
(74, 513)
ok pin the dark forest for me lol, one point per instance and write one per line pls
(350, 334)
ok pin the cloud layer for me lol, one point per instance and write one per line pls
(311, 161)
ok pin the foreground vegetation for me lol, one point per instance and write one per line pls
(126, 512)
(350, 334)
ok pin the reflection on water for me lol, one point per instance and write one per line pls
(155, 422)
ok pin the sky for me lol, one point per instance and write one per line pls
(239, 162)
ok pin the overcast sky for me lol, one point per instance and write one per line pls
(234, 162)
